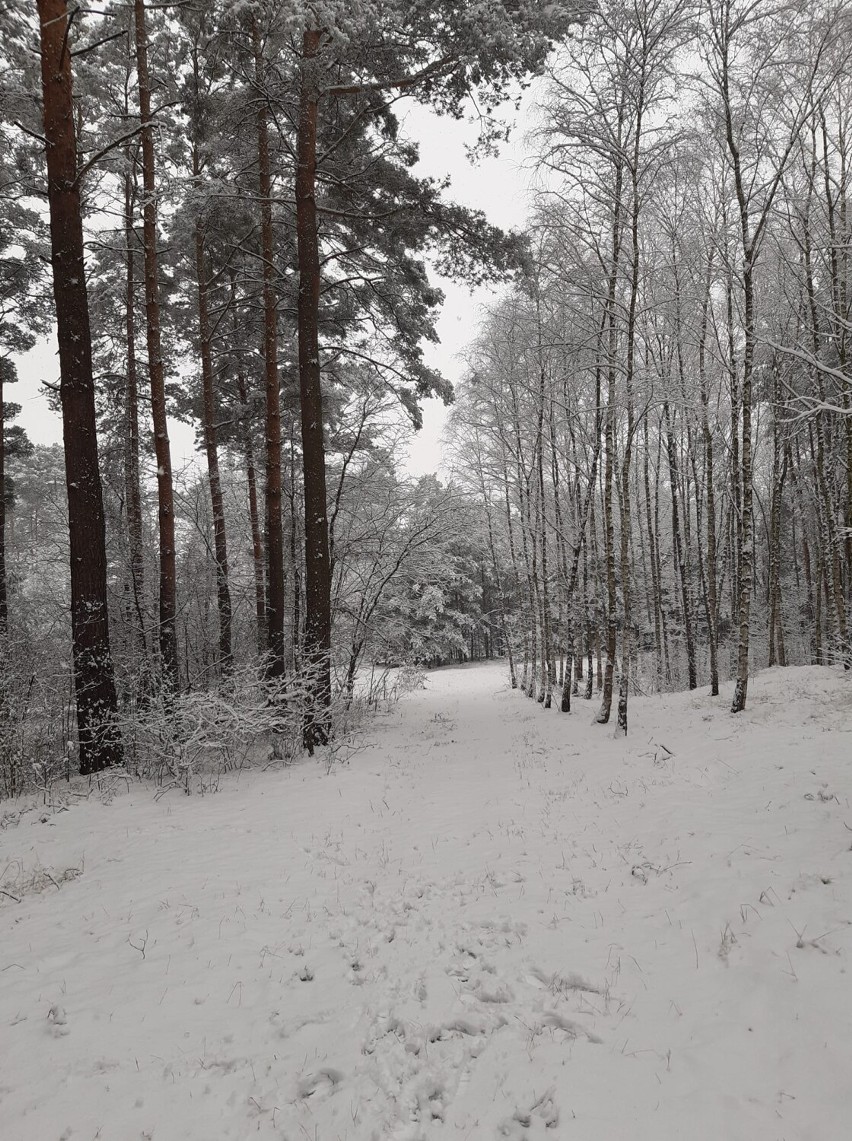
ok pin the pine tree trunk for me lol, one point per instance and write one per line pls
(4, 603)
(295, 562)
(132, 485)
(211, 449)
(317, 643)
(275, 601)
(94, 683)
(162, 449)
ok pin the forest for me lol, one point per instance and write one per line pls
(504, 796)
(647, 479)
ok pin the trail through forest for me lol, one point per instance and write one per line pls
(493, 922)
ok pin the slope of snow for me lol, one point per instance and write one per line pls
(495, 922)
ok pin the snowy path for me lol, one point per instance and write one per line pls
(494, 923)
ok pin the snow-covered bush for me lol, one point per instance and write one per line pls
(174, 738)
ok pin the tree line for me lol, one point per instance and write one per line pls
(218, 210)
(237, 234)
(657, 420)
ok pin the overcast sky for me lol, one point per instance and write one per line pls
(499, 186)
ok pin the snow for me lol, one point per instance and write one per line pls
(494, 922)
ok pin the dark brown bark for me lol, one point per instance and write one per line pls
(132, 486)
(272, 490)
(317, 641)
(295, 561)
(4, 604)
(208, 386)
(211, 449)
(162, 449)
(94, 684)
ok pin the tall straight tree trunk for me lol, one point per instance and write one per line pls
(94, 682)
(746, 572)
(531, 639)
(609, 558)
(624, 499)
(736, 484)
(4, 603)
(804, 515)
(295, 557)
(317, 643)
(254, 521)
(208, 387)
(211, 449)
(583, 515)
(835, 205)
(779, 474)
(132, 485)
(587, 624)
(162, 449)
(820, 570)
(667, 665)
(495, 565)
(547, 663)
(656, 602)
(566, 602)
(510, 532)
(275, 601)
(609, 466)
(532, 593)
(709, 475)
(826, 505)
(680, 550)
(597, 619)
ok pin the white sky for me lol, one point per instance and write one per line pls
(499, 186)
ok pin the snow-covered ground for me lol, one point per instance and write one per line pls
(494, 922)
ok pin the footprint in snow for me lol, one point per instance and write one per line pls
(57, 1021)
(320, 1083)
(572, 1029)
(543, 1108)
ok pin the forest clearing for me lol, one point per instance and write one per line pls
(489, 923)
